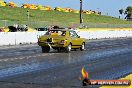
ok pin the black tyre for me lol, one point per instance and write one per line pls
(45, 49)
(82, 48)
(59, 50)
(68, 48)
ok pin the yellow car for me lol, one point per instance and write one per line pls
(61, 39)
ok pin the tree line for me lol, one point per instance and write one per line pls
(127, 12)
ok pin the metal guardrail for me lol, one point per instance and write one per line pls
(35, 24)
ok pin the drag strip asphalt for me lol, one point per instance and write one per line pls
(28, 67)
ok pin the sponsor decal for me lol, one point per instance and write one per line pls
(87, 81)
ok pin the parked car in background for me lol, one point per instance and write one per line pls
(1, 30)
(5, 29)
(42, 29)
(19, 28)
(61, 39)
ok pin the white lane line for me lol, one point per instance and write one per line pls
(12, 59)
(27, 57)
(5, 60)
(20, 58)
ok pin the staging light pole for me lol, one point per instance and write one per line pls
(81, 20)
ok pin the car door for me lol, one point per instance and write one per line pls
(75, 39)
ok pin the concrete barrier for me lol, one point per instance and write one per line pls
(105, 34)
(15, 38)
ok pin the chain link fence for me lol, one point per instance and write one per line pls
(38, 24)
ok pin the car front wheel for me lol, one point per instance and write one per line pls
(82, 47)
(68, 48)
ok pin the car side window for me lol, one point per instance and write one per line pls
(73, 34)
(63, 33)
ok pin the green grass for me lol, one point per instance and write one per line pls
(42, 18)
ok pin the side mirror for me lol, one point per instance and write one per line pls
(78, 36)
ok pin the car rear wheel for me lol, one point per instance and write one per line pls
(82, 47)
(68, 48)
(59, 50)
(45, 49)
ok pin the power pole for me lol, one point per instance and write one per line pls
(81, 20)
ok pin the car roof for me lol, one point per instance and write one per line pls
(61, 30)
(58, 29)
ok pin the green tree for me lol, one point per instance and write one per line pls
(129, 9)
(121, 11)
(128, 12)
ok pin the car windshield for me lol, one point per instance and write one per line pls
(56, 32)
